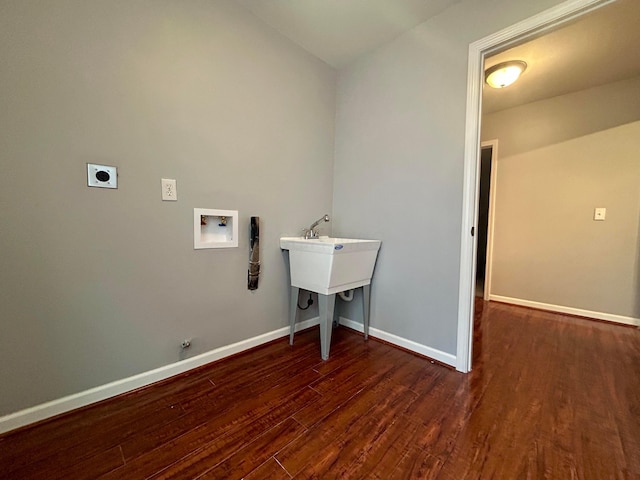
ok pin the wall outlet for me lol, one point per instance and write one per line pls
(169, 191)
(599, 213)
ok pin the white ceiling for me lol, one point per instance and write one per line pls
(600, 47)
(339, 31)
(596, 49)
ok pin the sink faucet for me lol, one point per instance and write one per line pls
(311, 232)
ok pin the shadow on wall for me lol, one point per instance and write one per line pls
(554, 120)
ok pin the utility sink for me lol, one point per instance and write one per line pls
(329, 265)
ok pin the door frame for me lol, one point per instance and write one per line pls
(530, 27)
(491, 214)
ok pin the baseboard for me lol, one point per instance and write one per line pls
(609, 317)
(436, 354)
(103, 392)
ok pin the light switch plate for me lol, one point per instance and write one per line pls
(103, 176)
(169, 191)
(599, 213)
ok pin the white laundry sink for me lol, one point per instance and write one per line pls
(330, 265)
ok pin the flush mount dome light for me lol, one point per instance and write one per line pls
(505, 73)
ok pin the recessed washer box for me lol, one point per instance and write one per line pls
(102, 176)
(214, 228)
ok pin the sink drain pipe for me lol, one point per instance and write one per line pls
(347, 295)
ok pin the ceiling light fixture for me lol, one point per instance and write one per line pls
(504, 74)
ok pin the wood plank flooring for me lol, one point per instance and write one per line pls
(550, 396)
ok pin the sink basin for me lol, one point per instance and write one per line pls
(330, 265)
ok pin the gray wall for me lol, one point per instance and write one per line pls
(558, 160)
(97, 285)
(399, 164)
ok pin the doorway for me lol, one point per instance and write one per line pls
(486, 202)
(536, 25)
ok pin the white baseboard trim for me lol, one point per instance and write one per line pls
(609, 317)
(436, 354)
(103, 392)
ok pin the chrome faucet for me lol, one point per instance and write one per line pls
(312, 232)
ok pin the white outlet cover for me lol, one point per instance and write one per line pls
(169, 189)
(103, 176)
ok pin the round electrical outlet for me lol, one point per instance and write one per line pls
(103, 176)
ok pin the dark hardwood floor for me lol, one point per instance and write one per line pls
(550, 396)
